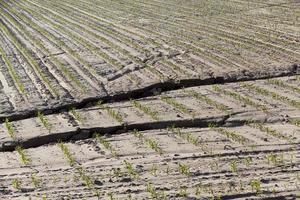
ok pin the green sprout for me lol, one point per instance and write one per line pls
(130, 169)
(10, 128)
(16, 183)
(77, 115)
(182, 108)
(248, 161)
(229, 134)
(154, 169)
(256, 186)
(35, 180)
(145, 109)
(154, 194)
(266, 129)
(186, 136)
(183, 191)
(138, 134)
(21, 151)
(281, 83)
(44, 121)
(85, 178)
(107, 145)
(208, 101)
(153, 144)
(233, 166)
(111, 112)
(67, 153)
(243, 99)
(272, 94)
(111, 196)
(151, 189)
(184, 169)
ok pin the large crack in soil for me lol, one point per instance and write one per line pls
(152, 88)
(229, 120)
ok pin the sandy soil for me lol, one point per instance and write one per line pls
(138, 99)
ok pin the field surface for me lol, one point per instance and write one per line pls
(157, 99)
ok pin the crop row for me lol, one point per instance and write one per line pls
(226, 36)
(187, 169)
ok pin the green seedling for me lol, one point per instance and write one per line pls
(10, 128)
(111, 196)
(174, 66)
(154, 170)
(153, 144)
(106, 144)
(179, 106)
(130, 169)
(67, 153)
(29, 58)
(208, 188)
(243, 99)
(98, 193)
(151, 189)
(154, 194)
(16, 183)
(292, 157)
(85, 178)
(271, 158)
(186, 136)
(256, 186)
(198, 190)
(138, 134)
(190, 138)
(55, 179)
(12, 72)
(229, 134)
(271, 94)
(145, 109)
(34, 63)
(274, 159)
(77, 115)
(75, 178)
(207, 100)
(24, 159)
(248, 161)
(296, 122)
(282, 84)
(66, 179)
(44, 197)
(266, 129)
(184, 169)
(233, 166)
(111, 112)
(205, 188)
(44, 121)
(183, 191)
(35, 180)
